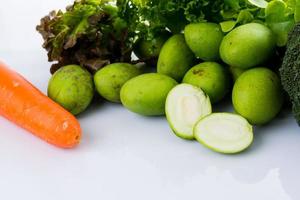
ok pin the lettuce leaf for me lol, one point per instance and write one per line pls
(94, 33)
(279, 15)
(88, 33)
(280, 18)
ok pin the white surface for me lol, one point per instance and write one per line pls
(127, 157)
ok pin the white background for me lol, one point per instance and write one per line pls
(124, 156)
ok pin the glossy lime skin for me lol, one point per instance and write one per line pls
(175, 58)
(110, 79)
(204, 39)
(247, 46)
(257, 95)
(147, 49)
(211, 77)
(146, 94)
(72, 87)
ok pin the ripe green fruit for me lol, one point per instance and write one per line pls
(247, 46)
(147, 49)
(204, 40)
(224, 133)
(111, 78)
(72, 87)
(175, 58)
(146, 94)
(257, 95)
(211, 77)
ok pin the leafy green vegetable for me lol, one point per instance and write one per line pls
(94, 33)
(155, 15)
(280, 18)
(89, 33)
(259, 3)
(175, 14)
(290, 70)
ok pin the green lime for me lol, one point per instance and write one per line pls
(110, 79)
(146, 94)
(72, 87)
(257, 95)
(204, 40)
(247, 46)
(211, 77)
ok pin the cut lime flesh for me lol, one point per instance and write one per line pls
(185, 106)
(224, 133)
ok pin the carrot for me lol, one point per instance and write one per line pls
(26, 106)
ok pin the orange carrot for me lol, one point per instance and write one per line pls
(25, 105)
